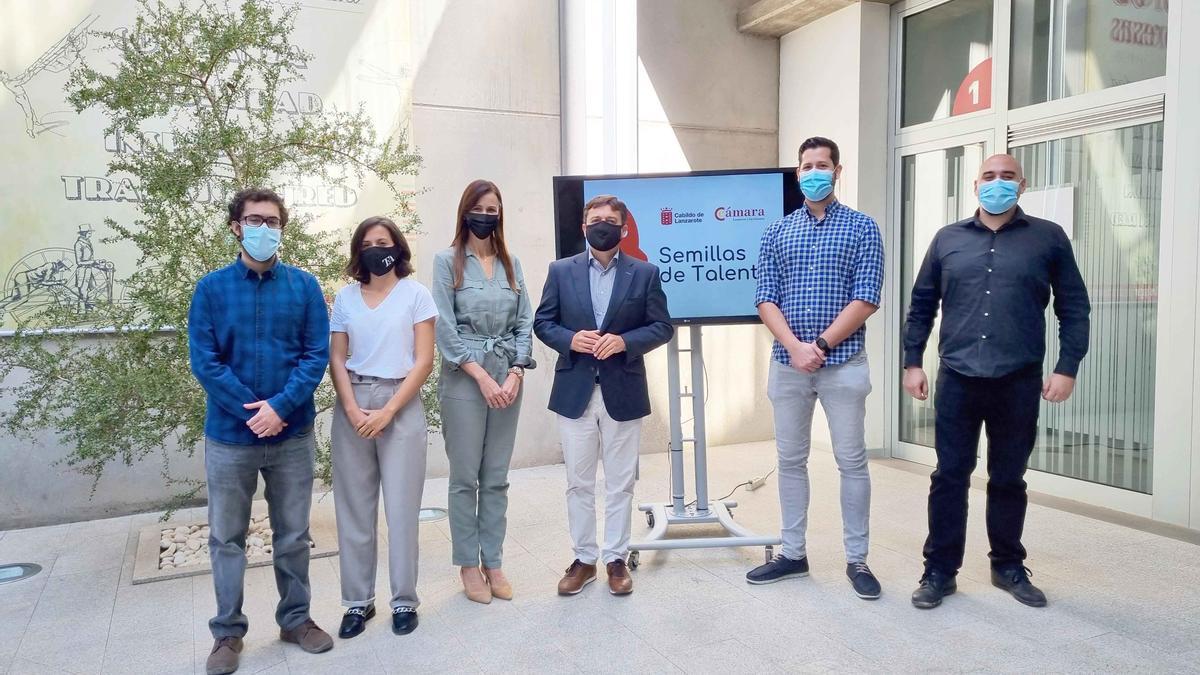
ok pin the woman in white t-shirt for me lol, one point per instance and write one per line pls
(381, 352)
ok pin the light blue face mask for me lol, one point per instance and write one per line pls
(816, 184)
(260, 242)
(998, 196)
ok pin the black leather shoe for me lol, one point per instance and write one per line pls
(404, 620)
(1015, 580)
(934, 586)
(354, 621)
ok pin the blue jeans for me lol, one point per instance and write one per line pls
(232, 473)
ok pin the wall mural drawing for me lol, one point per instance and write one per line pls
(57, 276)
(56, 181)
(57, 59)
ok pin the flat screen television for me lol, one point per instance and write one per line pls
(702, 230)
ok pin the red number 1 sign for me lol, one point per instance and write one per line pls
(975, 92)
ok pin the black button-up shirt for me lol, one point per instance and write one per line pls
(994, 288)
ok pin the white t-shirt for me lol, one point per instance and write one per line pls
(381, 339)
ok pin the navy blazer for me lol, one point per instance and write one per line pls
(637, 312)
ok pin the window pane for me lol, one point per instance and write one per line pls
(947, 61)
(1104, 433)
(938, 190)
(1062, 48)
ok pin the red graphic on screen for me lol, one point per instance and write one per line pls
(629, 244)
(975, 92)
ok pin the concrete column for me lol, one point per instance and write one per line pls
(598, 61)
(833, 82)
(1177, 424)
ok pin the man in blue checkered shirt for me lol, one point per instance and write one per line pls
(258, 339)
(820, 276)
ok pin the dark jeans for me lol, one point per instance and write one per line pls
(1008, 406)
(232, 472)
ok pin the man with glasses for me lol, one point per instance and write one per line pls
(258, 335)
(992, 274)
(602, 311)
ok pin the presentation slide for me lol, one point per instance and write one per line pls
(702, 230)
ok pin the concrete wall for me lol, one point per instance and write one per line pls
(36, 489)
(486, 105)
(708, 99)
(833, 82)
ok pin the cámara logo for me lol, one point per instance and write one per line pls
(726, 212)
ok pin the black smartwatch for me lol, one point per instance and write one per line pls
(823, 345)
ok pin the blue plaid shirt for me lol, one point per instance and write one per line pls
(812, 269)
(255, 338)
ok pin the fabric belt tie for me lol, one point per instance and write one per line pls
(504, 346)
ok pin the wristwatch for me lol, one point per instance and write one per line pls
(518, 371)
(823, 345)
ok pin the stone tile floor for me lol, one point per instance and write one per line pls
(1121, 600)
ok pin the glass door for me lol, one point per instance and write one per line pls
(936, 189)
(1111, 185)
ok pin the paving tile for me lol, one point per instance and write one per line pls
(277, 669)
(85, 597)
(26, 667)
(150, 654)
(262, 650)
(90, 529)
(337, 661)
(726, 656)
(101, 552)
(39, 545)
(432, 648)
(163, 608)
(69, 646)
(691, 611)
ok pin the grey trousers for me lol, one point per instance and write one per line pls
(396, 461)
(842, 391)
(232, 472)
(479, 445)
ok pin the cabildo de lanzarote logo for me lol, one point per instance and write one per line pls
(668, 216)
(730, 213)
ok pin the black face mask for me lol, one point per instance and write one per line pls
(604, 236)
(482, 225)
(379, 260)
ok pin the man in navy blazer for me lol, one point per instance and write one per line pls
(602, 312)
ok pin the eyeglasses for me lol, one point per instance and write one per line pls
(257, 221)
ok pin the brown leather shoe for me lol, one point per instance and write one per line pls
(619, 581)
(578, 575)
(310, 638)
(224, 656)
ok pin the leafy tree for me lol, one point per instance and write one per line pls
(212, 74)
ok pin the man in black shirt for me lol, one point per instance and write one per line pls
(993, 274)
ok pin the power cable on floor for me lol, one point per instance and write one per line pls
(751, 485)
